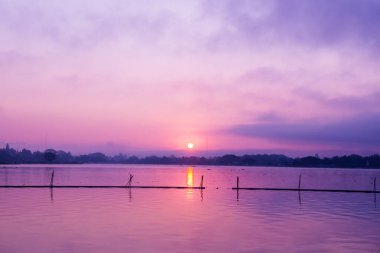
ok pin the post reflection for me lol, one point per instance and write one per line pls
(51, 195)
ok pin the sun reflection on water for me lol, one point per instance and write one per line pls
(190, 182)
(190, 176)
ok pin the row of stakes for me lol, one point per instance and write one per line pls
(129, 183)
(299, 187)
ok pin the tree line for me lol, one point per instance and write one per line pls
(11, 156)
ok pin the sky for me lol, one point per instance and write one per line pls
(296, 77)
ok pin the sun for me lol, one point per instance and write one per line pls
(190, 145)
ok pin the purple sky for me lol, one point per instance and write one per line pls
(146, 77)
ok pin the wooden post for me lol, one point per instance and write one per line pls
(237, 183)
(202, 182)
(130, 180)
(52, 179)
(299, 182)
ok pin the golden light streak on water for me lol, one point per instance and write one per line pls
(190, 176)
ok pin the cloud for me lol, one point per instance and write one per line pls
(269, 117)
(77, 25)
(305, 23)
(263, 75)
(11, 58)
(84, 25)
(361, 129)
(349, 103)
(205, 24)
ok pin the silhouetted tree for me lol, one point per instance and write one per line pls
(9, 155)
(50, 155)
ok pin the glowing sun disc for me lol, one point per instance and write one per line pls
(190, 145)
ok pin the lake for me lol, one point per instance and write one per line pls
(216, 219)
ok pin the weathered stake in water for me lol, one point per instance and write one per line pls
(52, 179)
(130, 180)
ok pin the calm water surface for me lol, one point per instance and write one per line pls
(217, 219)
